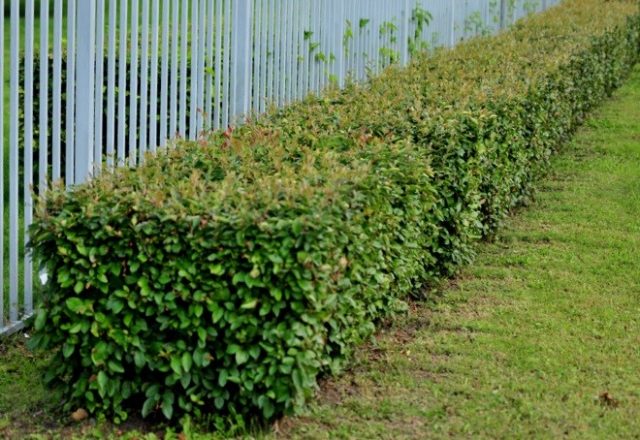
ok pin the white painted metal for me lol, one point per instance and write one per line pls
(56, 120)
(217, 69)
(144, 80)
(175, 61)
(111, 85)
(43, 120)
(85, 91)
(99, 88)
(193, 92)
(70, 128)
(183, 68)
(133, 85)
(122, 82)
(199, 94)
(153, 87)
(14, 163)
(28, 152)
(3, 324)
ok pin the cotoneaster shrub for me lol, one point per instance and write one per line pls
(227, 275)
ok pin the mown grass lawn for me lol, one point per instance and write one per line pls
(539, 338)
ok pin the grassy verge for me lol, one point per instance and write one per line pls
(539, 338)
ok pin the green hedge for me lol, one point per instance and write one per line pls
(226, 276)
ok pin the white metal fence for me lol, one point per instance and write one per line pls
(94, 83)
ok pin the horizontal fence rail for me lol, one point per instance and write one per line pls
(93, 84)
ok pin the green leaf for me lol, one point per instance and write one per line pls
(68, 349)
(296, 228)
(115, 304)
(167, 405)
(99, 353)
(217, 314)
(251, 304)
(241, 357)
(76, 305)
(176, 365)
(187, 361)
(41, 319)
(222, 378)
(148, 406)
(198, 358)
(79, 287)
(139, 359)
(116, 367)
(102, 381)
(216, 269)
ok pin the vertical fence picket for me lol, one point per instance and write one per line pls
(217, 69)
(28, 152)
(277, 50)
(70, 86)
(295, 31)
(200, 90)
(194, 63)
(269, 95)
(133, 85)
(99, 87)
(241, 54)
(164, 74)
(301, 56)
(175, 63)
(226, 51)
(144, 80)
(14, 163)
(262, 51)
(43, 119)
(291, 58)
(284, 51)
(2, 187)
(122, 82)
(335, 23)
(405, 19)
(325, 55)
(85, 91)
(210, 54)
(111, 84)
(255, 42)
(56, 120)
(183, 68)
(14, 152)
(153, 86)
(452, 30)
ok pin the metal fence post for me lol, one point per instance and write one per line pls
(404, 32)
(14, 162)
(453, 23)
(85, 89)
(241, 57)
(503, 13)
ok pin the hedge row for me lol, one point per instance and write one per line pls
(227, 275)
